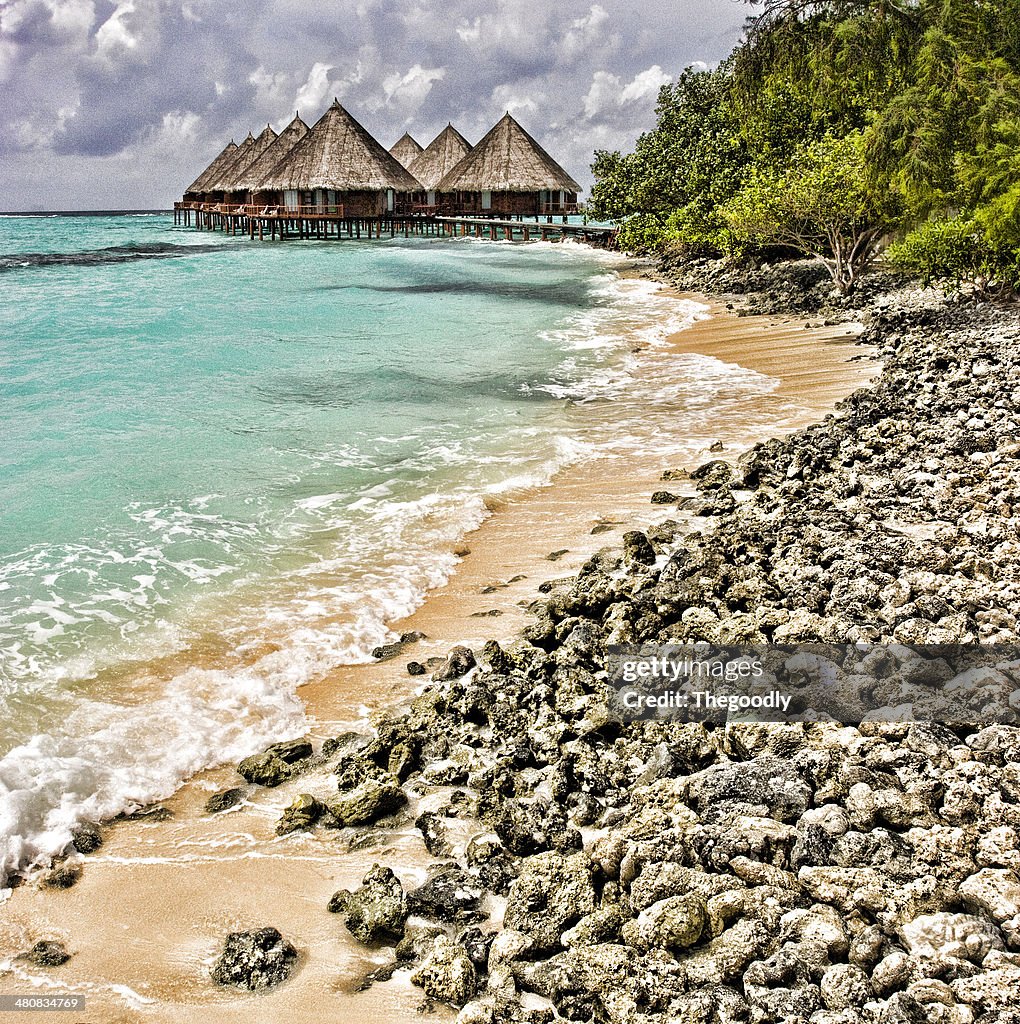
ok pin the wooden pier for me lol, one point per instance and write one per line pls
(273, 223)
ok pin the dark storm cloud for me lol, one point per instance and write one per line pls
(122, 102)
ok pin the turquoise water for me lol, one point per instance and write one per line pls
(208, 441)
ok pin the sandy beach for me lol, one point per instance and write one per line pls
(149, 914)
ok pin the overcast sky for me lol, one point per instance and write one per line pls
(121, 103)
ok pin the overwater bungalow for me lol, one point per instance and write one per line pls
(246, 180)
(441, 155)
(406, 149)
(508, 174)
(223, 187)
(338, 168)
(196, 190)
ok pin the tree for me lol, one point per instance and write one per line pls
(822, 204)
(669, 188)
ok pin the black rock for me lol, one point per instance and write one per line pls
(63, 876)
(416, 668)
(459, 662)
(450, 894)
(86, 837)
(664, 498)
(224, 800)
(46, 954)
(291, 751)
(254, 960)
(434, 833)
(636, 548)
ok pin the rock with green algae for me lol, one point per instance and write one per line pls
(447, 973)
(301, 815)
(377, 911)
(368, 803)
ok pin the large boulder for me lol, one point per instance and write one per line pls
(450, 894)
(551, 893)
(372, 800)
(447, 973)
(254, 960)
(459, 662)
(377, 911)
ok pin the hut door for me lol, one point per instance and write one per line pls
(431, 200)
(389, 200)
(486, 200)
(290, 199)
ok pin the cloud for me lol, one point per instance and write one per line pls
(406, 92)
(608, 95)
(130, 98)
(588, 33)
(313, 93)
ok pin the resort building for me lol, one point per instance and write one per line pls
(406, 149)
(245, 183)
(223, 184)
(335, 180)
(337, 169)
(197, 189)
(441, 155)
(508, 174)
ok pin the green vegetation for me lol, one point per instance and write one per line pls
(835, 127)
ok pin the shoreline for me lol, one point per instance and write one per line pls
(515, 541)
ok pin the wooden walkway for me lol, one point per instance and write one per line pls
(273, 223)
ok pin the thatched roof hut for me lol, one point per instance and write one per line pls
(441, 155)
(226, 155)
(250, 150)
(406, 149)
(508, 159)
(246, 179)
(338, 153)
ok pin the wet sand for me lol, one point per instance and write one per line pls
(149, 915)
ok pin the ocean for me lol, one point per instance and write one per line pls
(227, 466)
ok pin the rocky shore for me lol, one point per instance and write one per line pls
(589, 870)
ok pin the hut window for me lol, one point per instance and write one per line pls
(290, 198)
(486, 200)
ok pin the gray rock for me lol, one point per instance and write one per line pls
(552, 893)
(254, 960)
(636, 548)
(450, 894)
(844, 986)
(447, 973)
(86, 837)
(959, 935)
(265, 769)
(674, 923)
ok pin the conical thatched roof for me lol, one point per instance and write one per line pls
(508, 159)
(225, 157)
(226, 180)
(441, 155)
(406, 149)
(338, 153)
(246, 178)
